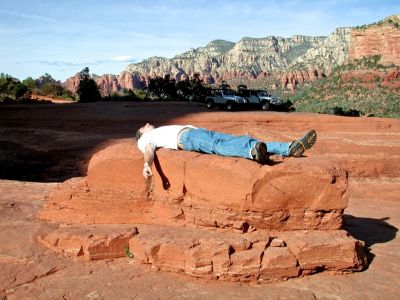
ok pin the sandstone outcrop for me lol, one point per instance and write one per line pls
(89, 243)
(72, 83)
(250, 59)
(247, 257)
(294, 79)
(291, 196)
(109, 84)
(224, 255)
(234, 220)
(382, 39)
(368, 78)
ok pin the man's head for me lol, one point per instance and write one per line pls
(146, 128)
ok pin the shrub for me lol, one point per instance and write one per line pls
(20, 90)
(87, 88)
(54, 89)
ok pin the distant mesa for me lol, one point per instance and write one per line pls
(269, 61)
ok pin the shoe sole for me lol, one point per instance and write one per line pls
(303, 144)
(261, 153)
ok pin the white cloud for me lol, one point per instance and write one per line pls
(123, 58)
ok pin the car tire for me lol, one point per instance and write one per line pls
(209, 104)
(265, 105)
(229, 106)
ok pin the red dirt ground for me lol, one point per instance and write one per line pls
(43, 144)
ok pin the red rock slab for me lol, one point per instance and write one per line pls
(214, 254)
(246, 257)
(319, 250)
(202, 190)
(74, 202)
(89, 242)
(16, 273)
(278, 263)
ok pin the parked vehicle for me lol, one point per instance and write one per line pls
(260, 98)
(225, 98)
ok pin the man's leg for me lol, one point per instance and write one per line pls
(206, 141)
(295, 148)
(278, 148)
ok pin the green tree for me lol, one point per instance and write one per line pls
(19, 90)
(7, 83)
(184, 89)
(30, 83)
(199, 91)
(47, 78)
(155, 87)
(169, 86)
(87, 88)
(7, 86)
(55, 89)
(44, 79)
(3, 83)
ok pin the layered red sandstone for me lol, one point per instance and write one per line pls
(381, 40)
(224, 255)
(294, 79)
(208, 216)
(195, 189)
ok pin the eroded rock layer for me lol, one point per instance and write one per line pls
(214, 254)
(202, 190)
(207, 216)
(381, 40)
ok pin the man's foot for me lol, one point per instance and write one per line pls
(260, 153)
(298, 147)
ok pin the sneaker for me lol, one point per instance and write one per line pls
(298, 147)
(260, 153)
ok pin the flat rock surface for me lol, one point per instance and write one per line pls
(47, 143)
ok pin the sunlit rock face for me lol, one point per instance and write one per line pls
(382, 38)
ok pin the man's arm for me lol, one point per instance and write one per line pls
(148, 161)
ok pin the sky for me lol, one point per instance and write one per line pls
(61, 37)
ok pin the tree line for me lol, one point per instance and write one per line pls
(190, 89)
(12, 89)
(160, 88)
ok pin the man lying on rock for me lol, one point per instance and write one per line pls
(190, 138)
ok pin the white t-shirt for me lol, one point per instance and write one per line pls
(162, 137)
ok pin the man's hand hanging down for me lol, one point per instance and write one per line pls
(148, 161)
(147, 173)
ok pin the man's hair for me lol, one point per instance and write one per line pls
(138, 135)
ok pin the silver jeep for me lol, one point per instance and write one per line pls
(225, 98)
(260, 98)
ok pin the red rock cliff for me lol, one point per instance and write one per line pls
(377, 39)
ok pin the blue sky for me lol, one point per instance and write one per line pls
(64, 36)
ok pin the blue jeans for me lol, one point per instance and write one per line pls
(206, 141)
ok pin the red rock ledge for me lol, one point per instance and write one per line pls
(201, 190)
(213, 254)
(224, 218)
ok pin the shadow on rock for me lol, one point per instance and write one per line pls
(371, 231)
(164, 178)
(53, 143)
